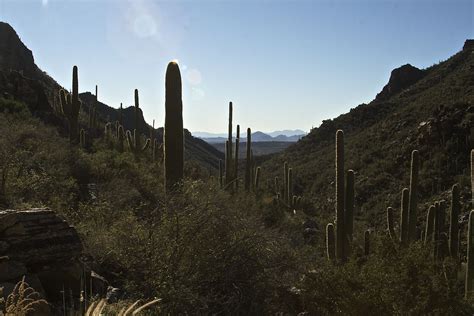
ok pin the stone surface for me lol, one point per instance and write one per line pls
(10, 270)
(38, 237)
(44, 247)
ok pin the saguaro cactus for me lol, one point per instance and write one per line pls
(134, 141)
(120, 138)
(236, 158)
(453, 222)
(173, 131)
(248, 160)
(413, 199)
(430, 222)
(257, 177)
(404, 217)
(289, 190)
(82, 138)
(71, 105)
(349, 207)
(391, 223)
(330, 242)
(340, 231)
(470, 256)
(228, 161)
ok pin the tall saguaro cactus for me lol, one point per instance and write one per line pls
(470, 257)
(340, 231)
(413, 199)
(404, 216)
(453, 222)
(236, 158)
(349, 207)
(173, 131)
(228, 160)
(430, 222)
(391, 223)
(71, 105)
(248, 160)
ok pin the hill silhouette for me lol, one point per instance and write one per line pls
(430, 110)
(22, 80)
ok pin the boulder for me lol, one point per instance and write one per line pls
(44, 247)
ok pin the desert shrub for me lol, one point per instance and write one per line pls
(390, 281)
(201, 252)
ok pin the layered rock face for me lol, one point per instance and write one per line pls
(41, 246)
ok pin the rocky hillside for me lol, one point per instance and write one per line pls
(22, 80)
(431, 110)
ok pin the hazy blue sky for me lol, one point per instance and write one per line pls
(284, 64)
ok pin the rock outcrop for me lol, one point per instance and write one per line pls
(400, 79)
(14, 55)
(39, 245)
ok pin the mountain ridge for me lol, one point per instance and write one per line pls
(434, 114)
(22, 80)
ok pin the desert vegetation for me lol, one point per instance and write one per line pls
(230, 241)
(370, 214)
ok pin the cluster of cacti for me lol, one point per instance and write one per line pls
(413, 196)
(231, 161)
(93, 121)
(285, 195)
(71, 105)
(344, 204)
(134, 138)
(173, 138)
(409, 231)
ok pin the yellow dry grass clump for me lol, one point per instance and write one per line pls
(22, 301)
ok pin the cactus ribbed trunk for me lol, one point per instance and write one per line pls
(430, 222)
(228, 161)
(135, 122)
(470, 257)
(248, 159)
(330, 242)
(257, 177)
(236, 158)
(173, 131)
(404, 216)
(349, 207)
(71, 105)
(413, 199)
(453, 222)
(340, 231)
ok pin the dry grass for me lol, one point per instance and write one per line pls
(23, 300)
(98, 308)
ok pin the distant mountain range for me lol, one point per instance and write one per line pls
(276, 136)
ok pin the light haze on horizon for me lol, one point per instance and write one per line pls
(283, 64)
